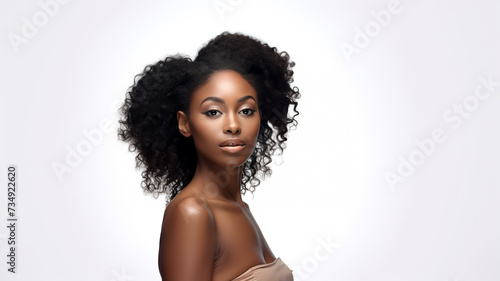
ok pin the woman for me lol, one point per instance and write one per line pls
(204, 130)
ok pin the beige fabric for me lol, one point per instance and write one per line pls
(274, 271)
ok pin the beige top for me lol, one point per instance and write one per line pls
(274, 271)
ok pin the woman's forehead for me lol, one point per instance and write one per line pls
(226, 85)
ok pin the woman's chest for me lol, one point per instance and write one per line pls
(237, 230)
(240, 242)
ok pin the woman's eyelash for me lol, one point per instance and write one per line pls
(214, 112)
(210, 111)
(249, 109)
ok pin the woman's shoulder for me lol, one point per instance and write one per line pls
(188, 207)
(188, 204)
(188, 237)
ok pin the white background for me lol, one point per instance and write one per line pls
(328, 210)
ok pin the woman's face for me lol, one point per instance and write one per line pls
(224, 119)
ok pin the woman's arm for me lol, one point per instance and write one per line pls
(188, 242)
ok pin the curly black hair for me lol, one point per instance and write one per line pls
(149, 121)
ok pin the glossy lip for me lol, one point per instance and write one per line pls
(232, 142)
(232, 145)
(232, 149)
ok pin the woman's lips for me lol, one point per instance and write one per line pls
(232, 145)
(232, 148)
(232, 142)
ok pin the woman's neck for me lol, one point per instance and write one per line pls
(218, 182)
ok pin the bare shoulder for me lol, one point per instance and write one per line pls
(186, 210)
(187, 241)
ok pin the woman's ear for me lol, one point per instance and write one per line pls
(183, 124)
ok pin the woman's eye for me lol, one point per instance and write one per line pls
(247, 111)
(211, 112)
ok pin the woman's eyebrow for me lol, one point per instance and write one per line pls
(219, 100)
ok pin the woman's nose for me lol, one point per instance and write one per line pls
(232, 125)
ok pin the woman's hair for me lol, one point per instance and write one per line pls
(149, 113)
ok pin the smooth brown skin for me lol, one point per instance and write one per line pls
(208, 232)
